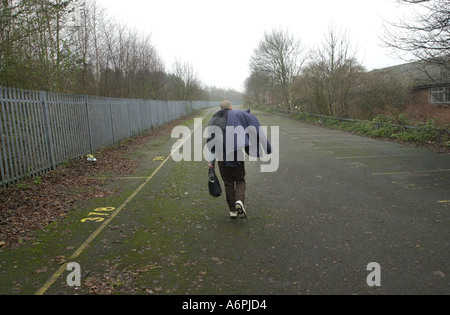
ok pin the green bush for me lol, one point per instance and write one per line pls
(427, 133)
(364, 128)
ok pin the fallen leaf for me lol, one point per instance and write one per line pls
(42, 270)
(440, 274)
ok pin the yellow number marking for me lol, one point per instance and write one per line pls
(103, 211)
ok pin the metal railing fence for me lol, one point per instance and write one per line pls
(40, 130)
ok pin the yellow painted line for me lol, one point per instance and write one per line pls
(86, 243)
(444, 201)
(412, 172)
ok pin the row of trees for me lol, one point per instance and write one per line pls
(330, 80)
(73, 46)
(285, 73)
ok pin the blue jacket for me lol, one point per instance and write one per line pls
(240, 121)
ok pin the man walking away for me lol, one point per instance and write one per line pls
(232, 168)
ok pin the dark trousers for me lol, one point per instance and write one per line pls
(235, 185)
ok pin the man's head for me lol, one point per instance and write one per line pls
(226, 105)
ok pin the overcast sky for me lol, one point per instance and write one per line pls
(219, 37)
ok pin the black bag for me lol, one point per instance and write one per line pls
(215, 189)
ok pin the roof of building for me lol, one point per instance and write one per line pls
(422, 74)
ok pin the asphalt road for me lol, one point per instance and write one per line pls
(341, 201)
(337, 203)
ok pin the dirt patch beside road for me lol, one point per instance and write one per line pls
(35, 203)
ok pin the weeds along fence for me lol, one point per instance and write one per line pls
(424, 134)
(40, 130)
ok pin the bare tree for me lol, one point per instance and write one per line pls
(256, 88)
(73, 46)
(14, 29)
(33, 43)
(426, 35)
(116, 61)
(332, 74)
(185, 81)
(280, 57)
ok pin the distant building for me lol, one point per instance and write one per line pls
(429, 83)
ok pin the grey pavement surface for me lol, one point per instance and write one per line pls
(341, 201)
(337, 203)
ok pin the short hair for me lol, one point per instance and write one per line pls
(225, 104)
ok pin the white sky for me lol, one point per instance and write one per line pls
(219, 37)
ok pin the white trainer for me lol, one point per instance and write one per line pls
(240, 209)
